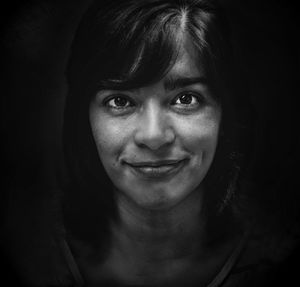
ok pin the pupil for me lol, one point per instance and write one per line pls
(119, 101)
(186, 99)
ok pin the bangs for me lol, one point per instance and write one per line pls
(142, 51)
(141, 47)
(130, 45)
(142, 64)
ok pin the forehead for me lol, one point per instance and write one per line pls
(188, 63)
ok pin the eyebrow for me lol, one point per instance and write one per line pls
(172, 83)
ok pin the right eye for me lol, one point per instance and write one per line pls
(118, 102)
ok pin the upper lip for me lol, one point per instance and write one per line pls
(154, 163)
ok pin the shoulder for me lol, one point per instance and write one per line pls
(267, 259)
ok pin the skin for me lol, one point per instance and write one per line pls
(152, 124)
(161, 229)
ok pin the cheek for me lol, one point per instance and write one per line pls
(199, 134)
(109, 136)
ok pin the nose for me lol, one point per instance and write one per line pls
(154, 129)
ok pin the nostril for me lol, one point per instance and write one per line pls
(155, 140)
(154, 128)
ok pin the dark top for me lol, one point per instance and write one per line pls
(44, 259)
(242, 268)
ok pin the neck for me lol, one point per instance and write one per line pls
(159, 245)
(160, 234)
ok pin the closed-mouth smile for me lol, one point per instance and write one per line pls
(157, 169)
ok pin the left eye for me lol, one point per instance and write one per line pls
(118, 102)
(187, 99)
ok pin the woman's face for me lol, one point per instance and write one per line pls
(157, 142)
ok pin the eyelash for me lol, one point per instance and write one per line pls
(123, 97)
(200, 101)
(195, 96)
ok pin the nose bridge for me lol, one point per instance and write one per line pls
(154, 127)
(153, 119)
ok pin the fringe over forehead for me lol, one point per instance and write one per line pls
(128, 44)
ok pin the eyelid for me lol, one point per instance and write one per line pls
(116, 95)
(118, 110)
(194, 94)
(102, 94)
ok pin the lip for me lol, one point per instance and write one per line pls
(155, 163)
(157, 169)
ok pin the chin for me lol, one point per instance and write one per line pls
(157, 204)
(159, 199)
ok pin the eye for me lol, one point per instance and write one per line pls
(188, 100)
(118, 102)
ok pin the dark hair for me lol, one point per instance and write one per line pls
(128, 44)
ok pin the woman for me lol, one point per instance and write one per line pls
(158, 142)
(154, 122)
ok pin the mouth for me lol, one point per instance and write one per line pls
(157, 169)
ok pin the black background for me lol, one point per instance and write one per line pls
(35, 40)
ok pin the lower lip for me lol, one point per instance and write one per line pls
(163, 171)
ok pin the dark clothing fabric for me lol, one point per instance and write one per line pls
(248, 265)
(39, 255)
